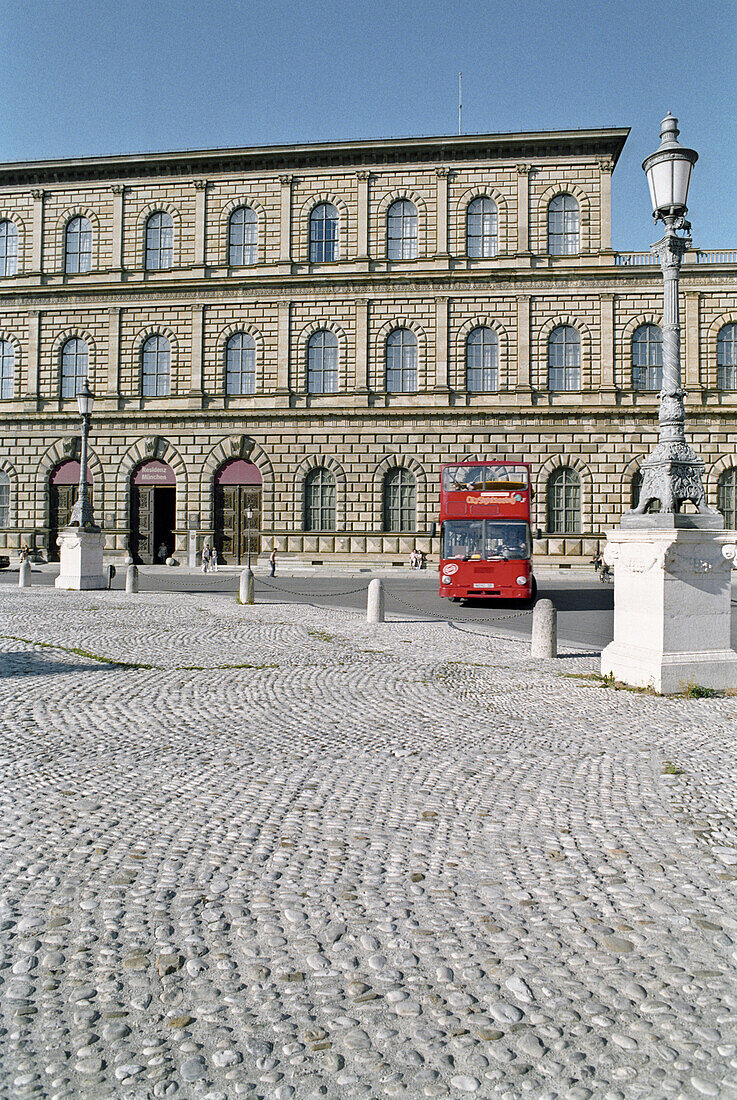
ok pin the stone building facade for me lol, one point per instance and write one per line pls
(308, 332)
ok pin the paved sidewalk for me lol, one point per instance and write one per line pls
(279, 853)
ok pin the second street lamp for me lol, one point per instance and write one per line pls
(672, 473)
(82, 512)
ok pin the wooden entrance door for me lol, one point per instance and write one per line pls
(232, 527)
(62, 499)
(142, 523)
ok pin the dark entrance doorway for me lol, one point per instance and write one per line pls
(63, 493)
(237, 488)
(153, 512)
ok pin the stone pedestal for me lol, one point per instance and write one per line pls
(80, 552)
(672, 603)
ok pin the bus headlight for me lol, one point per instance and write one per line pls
(521, 580)
(445, 580)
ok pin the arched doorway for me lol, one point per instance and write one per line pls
(63, 493)
(237, 488)
(153, 512)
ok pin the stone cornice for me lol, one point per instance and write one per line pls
(559, 144)
(515, 283)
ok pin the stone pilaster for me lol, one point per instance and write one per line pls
(523, 209)
(117, 257)
(200, 221)
(38, 232)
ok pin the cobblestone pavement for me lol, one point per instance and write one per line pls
(302, 857)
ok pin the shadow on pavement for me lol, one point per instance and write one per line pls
(17, 663)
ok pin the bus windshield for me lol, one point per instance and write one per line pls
(487, 540)
(469, 478)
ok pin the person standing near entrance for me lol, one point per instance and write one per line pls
(214, 560)
(272, 563)
(205, 557)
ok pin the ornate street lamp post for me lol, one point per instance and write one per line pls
(672, 570)
(82, 512)
(81, 543)
(672, 474)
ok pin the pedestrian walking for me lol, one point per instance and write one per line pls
(205, 557)
(272, 563)
(214, 560)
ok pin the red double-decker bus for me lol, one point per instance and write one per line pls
(485, 537)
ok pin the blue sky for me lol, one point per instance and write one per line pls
(81, 78)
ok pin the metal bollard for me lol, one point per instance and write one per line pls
(24, 575)
(544, 630)
(247, 588)
(375, 604)
(131, 578)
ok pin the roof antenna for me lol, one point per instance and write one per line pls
(460, 107)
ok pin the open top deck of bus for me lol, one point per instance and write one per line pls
(478, 476)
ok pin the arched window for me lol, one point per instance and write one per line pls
(727, 497)
(564, 502)
(159, 242)
(7, 369)
(324, 223)
(564, 226)
(482, 361)
(240, 364)
(401, 230)
(4, 499)
(78, 246)
(156, 361)
(74, 366)
(322, 362)
(401, 361)
(400, 500)
(481, 227)
(242, 237)
(647, 358)
(564, 359)
(320, 500)
(8, 248)
(727, 358)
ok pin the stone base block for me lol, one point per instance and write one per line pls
(669, 673)
(80, 554)
(672, 608)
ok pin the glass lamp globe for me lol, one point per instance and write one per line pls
(668, 171)
(85, 400)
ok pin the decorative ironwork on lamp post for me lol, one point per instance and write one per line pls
(672, 473)
(82, 513)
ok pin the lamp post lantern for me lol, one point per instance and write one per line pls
(82, 512)
(672, 473)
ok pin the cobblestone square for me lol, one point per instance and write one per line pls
(274, 852)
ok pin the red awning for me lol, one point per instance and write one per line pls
(239, 472)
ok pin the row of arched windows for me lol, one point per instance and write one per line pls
(402, 235)
(399, 500)
(401, 373)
